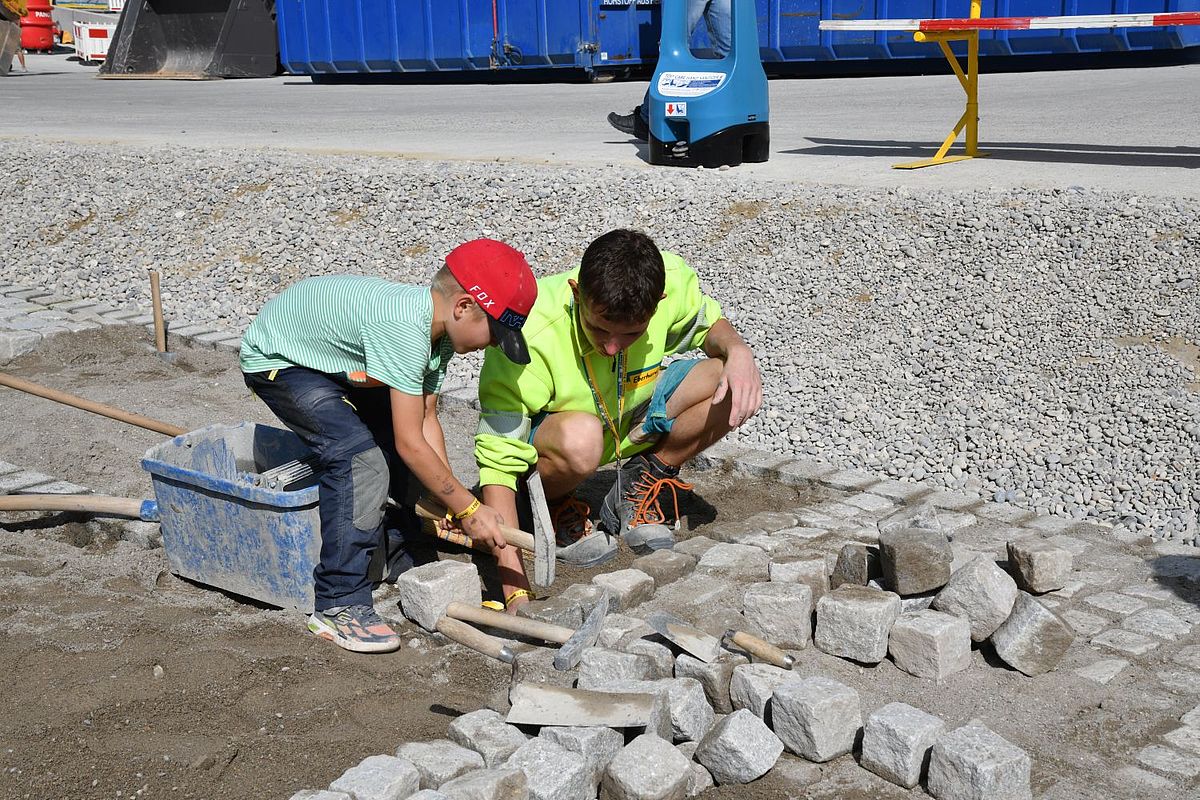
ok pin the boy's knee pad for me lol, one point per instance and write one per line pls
(370, 476)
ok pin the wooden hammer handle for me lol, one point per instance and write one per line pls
(760, 649)
(96, 504)
(507, 622)
(429, 509)
(477, 640)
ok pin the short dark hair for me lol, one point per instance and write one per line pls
(622, 277)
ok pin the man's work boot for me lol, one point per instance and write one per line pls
(579, 542)
(630, 124)
(635, 514)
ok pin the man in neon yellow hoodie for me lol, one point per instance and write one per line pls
(597, 390)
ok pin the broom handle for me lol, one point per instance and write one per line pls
(103, 410)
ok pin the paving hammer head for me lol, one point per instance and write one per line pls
(544, 537)
(585, 636)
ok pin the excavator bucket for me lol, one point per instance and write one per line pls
(194, 39)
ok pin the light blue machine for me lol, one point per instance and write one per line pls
(708, 112)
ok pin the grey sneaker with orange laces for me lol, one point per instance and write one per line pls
(633, 509)
(580, 543)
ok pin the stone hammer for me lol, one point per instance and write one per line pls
(433, 592)
(541, 542)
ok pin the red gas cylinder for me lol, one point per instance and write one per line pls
(37, 27)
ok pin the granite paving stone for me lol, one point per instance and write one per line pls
(981, 593)
(552, 771)
(1033, 639)
(739, 749)
(1157, 622)
(854, 621)
(974, 763)
(1185, 738)
(439, 761)
(1104, 670)
(817, 718)
(896, 740)
(1084, 623)
(1125, 642)
(379, 778)
(849, 480)
(1116, 603)
(1169, 760)
(648, 768)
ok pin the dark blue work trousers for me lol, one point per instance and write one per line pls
(350, 431)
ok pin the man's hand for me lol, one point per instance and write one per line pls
(484, 526)
(742, 381)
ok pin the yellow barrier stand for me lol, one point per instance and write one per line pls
(970, 84)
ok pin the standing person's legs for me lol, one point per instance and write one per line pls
(353, 487)
(716, 14)
(718, 18)
(405, 542)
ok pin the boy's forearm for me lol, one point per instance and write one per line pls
(435, 437)
(431, 469)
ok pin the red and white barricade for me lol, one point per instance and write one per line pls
(944, 31)
(91, 40)
(1016, 23)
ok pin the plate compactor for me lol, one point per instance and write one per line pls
(708, 112)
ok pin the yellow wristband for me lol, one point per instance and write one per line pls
(469, 510)
(518, 593)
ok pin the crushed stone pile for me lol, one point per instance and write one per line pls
(1037, 347)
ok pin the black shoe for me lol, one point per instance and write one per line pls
(641, 480)
(630, 124)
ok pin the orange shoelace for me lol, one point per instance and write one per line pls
(569, 517)
(644, 495)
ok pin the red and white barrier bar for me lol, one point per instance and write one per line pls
(1015, 23)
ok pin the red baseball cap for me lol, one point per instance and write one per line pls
(500, 280)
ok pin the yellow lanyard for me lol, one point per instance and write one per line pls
(613, 425)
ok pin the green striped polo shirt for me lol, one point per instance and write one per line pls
(371, 330)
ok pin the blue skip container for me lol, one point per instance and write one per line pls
(224, 525)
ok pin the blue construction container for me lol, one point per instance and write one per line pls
(223, 526)
(343, 37)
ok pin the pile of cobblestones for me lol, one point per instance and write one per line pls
(1035, 347)
(785, 575)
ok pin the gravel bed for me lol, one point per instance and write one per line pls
(1038, 347)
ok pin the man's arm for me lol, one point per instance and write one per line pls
(409, 424)
(740, 377)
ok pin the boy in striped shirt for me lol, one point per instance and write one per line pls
(353, 365)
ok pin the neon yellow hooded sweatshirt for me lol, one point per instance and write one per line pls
(556, 379)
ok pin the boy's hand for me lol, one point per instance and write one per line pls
(484, 526)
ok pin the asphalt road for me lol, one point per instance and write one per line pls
(1122, 129)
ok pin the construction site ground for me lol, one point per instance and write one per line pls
(124, 680)
(249, 703)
